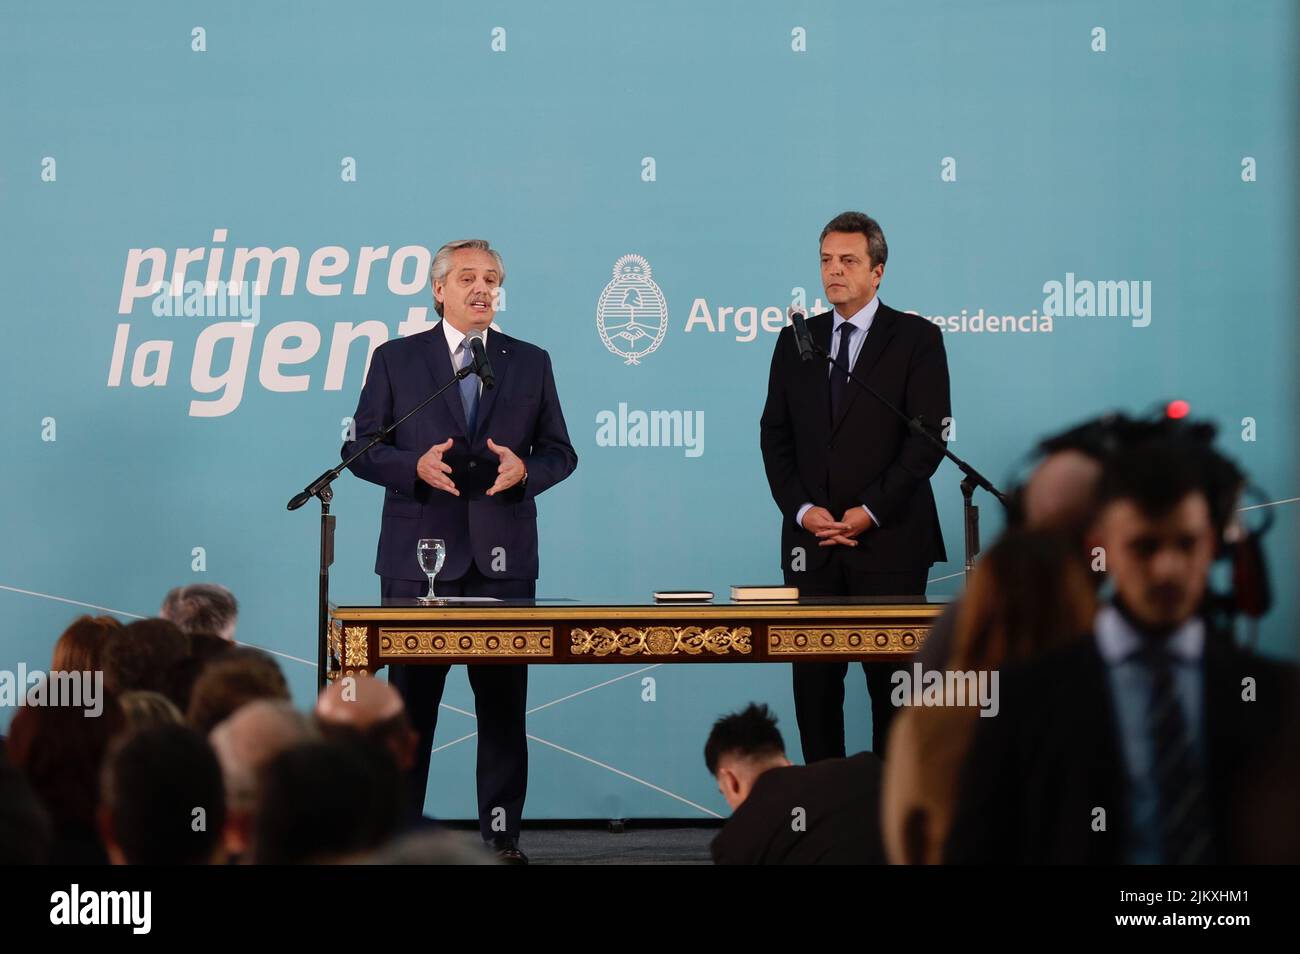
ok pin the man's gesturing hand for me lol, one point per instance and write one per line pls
(510, 469)
(433, 470)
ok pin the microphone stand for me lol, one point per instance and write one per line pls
(320, 489)
(972, 479)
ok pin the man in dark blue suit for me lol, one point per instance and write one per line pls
(468, 469)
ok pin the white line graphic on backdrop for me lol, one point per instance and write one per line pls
(116, 612)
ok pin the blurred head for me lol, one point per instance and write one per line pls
(142, 654)
(81, 647)
(326, 802)
(145, 710)
(204, 647)
(163, 802)
(853, 255)
(1029, 591)
(245, 744)
(466, 277)
(232, 680)
(1158, 532)
(374, 710)
(24, 826)
(741, 747)
(61, 752)
(202, 608)
(433, 847)
(1061, 493)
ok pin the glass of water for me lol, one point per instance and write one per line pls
(432, 552)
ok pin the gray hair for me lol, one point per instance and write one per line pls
(441, 266)
(201, 608)
(862, 223)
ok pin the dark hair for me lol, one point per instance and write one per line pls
(204, 647)
(201, 607)
(154, 780)
(860, 222)
(326, 799)
(1111, 435)
(142, 655)
(24, 826)
(1158, 474)
(231, 680)
(388, 734)
(750, 732)
(81, 647)
(61, 751)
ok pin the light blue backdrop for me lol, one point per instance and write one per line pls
(1127, 163)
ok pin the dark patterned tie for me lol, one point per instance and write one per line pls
(840, 380)
(1185, 831)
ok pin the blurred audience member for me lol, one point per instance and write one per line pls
(824, 813)
(81, 647)
(145, 710)
(374, 709)
(1059, 495)
(1030, 591)
(141, 655)
(433, 847)
(233, 679)
(1129, 746)
(326, 802)
(24, 827)
(245, 743)
(202, 608)
(61, 752)
(162, 800)
(204, 647)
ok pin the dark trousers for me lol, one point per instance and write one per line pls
(500, 700)
(819, 687)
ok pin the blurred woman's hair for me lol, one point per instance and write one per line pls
(81, 647)
(1030, 591)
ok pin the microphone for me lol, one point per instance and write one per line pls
(482, 366)
(802, 339)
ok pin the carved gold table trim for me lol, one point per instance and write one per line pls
(367, 638)
(394, 643)
(660, 641)
(843, 640)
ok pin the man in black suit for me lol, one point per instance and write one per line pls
(852, 481)
(1130, 746)
(467, 469)
(828, 813)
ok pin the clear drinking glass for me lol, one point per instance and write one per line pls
(431, 552)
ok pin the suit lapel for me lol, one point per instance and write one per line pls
(878, 335)
(819, 329)
(438, 359)
(1220, 730)
(1095, 719)
(499, 351)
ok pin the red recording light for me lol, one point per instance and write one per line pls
(1176, 410)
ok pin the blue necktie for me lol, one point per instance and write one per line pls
(839, 380)
(468, 388)
(1185, 826)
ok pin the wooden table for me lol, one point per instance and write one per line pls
(365, 638)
